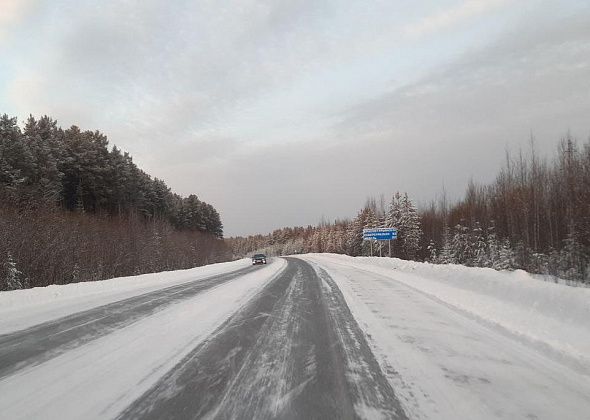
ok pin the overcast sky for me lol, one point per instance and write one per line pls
(279, 112)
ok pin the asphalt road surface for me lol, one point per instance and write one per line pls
(45, 341)
(293, 351)
(280, 341)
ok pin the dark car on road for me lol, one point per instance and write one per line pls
(259, 259)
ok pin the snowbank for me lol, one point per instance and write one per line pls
(103, 377)
(553, 316)
(23, 308)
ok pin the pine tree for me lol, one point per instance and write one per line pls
(14, 278)
(432, 253)
(393, 219)
(16, 163)
(354, 235)
(76, 275)
(370, 221)
(480, 251)
(410, 228)
(493, 246)
(572, 259)
(447, 254)
(42, 139)
(79, 198)
(461, 244)
(394, 212)
(506, 257)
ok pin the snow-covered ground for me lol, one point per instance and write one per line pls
(453, 342)
(102, 377)
(20, 309)
(458, 342)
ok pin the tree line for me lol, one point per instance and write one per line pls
(534, 216)
(79, 195)
(75, 169)
(345, 236)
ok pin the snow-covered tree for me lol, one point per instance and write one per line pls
(410, 228)
(506, 258)
(461, 244)
(393, 219)
(432, 253)
(76, 275)
(403, 216)
(370, 221)
(42, 138)
(572, 261)
(479, 256)
(16, 162)
(493, 246)
(447, 254)
(354, 240)
(393, 216)
(13, 278)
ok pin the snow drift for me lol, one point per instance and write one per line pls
(553, 317)
(20, 309)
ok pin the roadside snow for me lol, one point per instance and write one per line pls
(21, 309)
(458, 342)
(552, 316)
(101, 378)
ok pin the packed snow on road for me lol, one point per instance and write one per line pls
(459, 342)
(308, 336)
(101, 377)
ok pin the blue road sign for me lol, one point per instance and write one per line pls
(379, 234)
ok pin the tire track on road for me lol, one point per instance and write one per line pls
(294, 351)
(42, 342)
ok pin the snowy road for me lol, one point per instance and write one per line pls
(313, 337)
(449, 363)
(294, 352)
(45, 341)
(270, 342)
(118, 356)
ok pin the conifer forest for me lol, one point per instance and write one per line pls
(70, 199)
(73, 209)
(534, 216)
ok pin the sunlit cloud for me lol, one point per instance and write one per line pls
(11, 13)
(453, 16)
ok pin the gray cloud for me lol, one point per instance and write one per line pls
(454, 124)
(279, 112)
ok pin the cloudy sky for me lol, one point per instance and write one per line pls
(279, 112)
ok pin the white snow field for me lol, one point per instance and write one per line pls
(470, 343)
(20, 309)
(102, 377)
(453, 342)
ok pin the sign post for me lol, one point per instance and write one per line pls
(380, 234)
